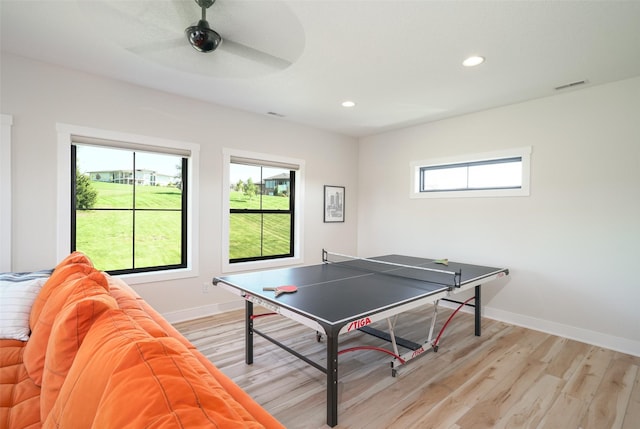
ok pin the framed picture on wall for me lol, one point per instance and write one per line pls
(333, 203)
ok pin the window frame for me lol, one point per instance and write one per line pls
(298, 196)
(262, 211)
(184, 252)
(524, 153)
(67, 136)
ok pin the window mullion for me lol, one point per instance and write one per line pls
(133, 216)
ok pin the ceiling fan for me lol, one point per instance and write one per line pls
(204, 39)
(245, 44)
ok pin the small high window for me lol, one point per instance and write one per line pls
(494, 174)
(505, 173)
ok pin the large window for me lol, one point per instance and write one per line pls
(129, 211)
(503, 173)
(129, 202)
(261, 197)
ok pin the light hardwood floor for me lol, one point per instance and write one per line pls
(510, 377)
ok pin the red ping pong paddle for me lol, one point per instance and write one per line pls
(282, 289)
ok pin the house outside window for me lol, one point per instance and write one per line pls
(278, 185)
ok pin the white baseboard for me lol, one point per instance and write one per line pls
(204, 311)
(619, 344)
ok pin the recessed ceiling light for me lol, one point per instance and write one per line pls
(348, 103)
(473, 61)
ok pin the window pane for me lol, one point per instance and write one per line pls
(277, 230)
(245, 186)
(158, 197)
(444, 178)
(245, 235)
(500, 175)
(113, 195)
(158, 238)
(258, 187)
(110, 173)
(276, 202)
(258, 235)
(106, 236)
(155, 169)
(275, 188)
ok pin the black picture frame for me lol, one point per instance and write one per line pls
(334, 203)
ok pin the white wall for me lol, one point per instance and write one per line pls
(573, 245)
(38, 96)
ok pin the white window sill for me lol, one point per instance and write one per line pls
(261, 265)
(158, 276)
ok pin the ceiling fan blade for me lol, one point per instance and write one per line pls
(252, 54)
(152, 47)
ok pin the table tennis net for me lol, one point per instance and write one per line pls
(426, 272)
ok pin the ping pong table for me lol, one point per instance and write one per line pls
(346, 294)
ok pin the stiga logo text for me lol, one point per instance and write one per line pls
(357, 324)
(417, 352)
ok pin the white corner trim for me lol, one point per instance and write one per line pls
(5, 192)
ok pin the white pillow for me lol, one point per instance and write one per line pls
(18, 291)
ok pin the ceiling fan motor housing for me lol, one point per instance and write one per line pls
(202, 37)
(205, 3)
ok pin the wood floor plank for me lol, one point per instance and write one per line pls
(564, 357)
(565, 412)
(511, 385)
(632, 415)
(446, 413)
(609, 404)
(530, 408)
(584, 383)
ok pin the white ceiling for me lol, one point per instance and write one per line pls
(400, 61)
